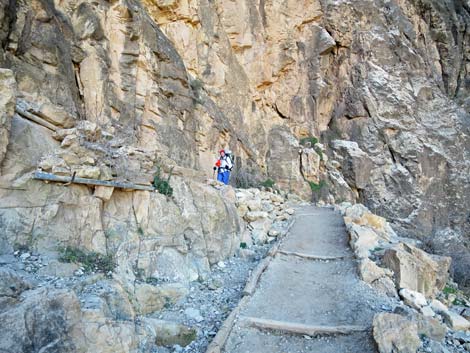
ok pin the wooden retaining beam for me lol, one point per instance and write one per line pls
(76, 180)
(218, 343)
(36, 119)
(314, 257)
(300, 329)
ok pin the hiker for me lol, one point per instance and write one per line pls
(223, 166)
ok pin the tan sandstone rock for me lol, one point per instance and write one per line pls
(395, 334)
(168, 333)
(7, 107)
(151, 298)
(416, 270)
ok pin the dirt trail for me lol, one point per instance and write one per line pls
(297, 290)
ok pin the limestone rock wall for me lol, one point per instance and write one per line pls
(115, 89)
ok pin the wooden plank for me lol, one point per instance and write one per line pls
(300, 329)
(313, 257)
(36, 119)
(218, 343)
(255, 276)
(67, 179)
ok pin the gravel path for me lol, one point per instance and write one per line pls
(297, 290)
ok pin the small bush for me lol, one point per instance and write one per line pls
(197, 85)
(161, 185)
(268, 183)
(449, 290)
(319, 152)
(243, 245)
(316, 187)
(91, 261)
(313, 141)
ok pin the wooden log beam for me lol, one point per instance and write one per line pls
(68, 179)
(300, 329)
(36, 119)
(313, 257)
(255, 276)
(218, 343)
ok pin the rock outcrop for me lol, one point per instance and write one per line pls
(363, 101)
(170, 82)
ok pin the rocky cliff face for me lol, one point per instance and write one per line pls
(114, 89)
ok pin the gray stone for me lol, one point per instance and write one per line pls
(455, 321)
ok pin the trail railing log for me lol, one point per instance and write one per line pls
(76, 180)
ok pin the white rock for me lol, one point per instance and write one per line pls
(414, 299)
(277, 199)
(273, 233)
(25, 255)
(221, 264)
(362, 240)
(438, 307)
(290, 211)
(427, 311)
(252, 216)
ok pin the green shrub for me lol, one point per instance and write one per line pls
(311, 139)
(319, 152)
(316, 187)
(91, 261)
(449, 290)
(197, 85)
(161, 185)
(268, 183)
(243, 245)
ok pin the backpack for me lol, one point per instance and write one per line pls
(229, 154)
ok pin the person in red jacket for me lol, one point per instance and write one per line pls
(223, 166)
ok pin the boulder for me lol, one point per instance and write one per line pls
(168, 333)
(362, 240)
(437, 306)
(455, 321)
(46, 319)
(369, 272)
(386, 286)
(150, 298)
(427, 311)
(356, 165)
(395, 333)
(411, 298)
(430, 327)
(12, 284)
(252, 216)
(416, 270)
(276, 198)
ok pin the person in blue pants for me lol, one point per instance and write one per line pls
(223, 166)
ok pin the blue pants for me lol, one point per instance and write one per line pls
(224, 177)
